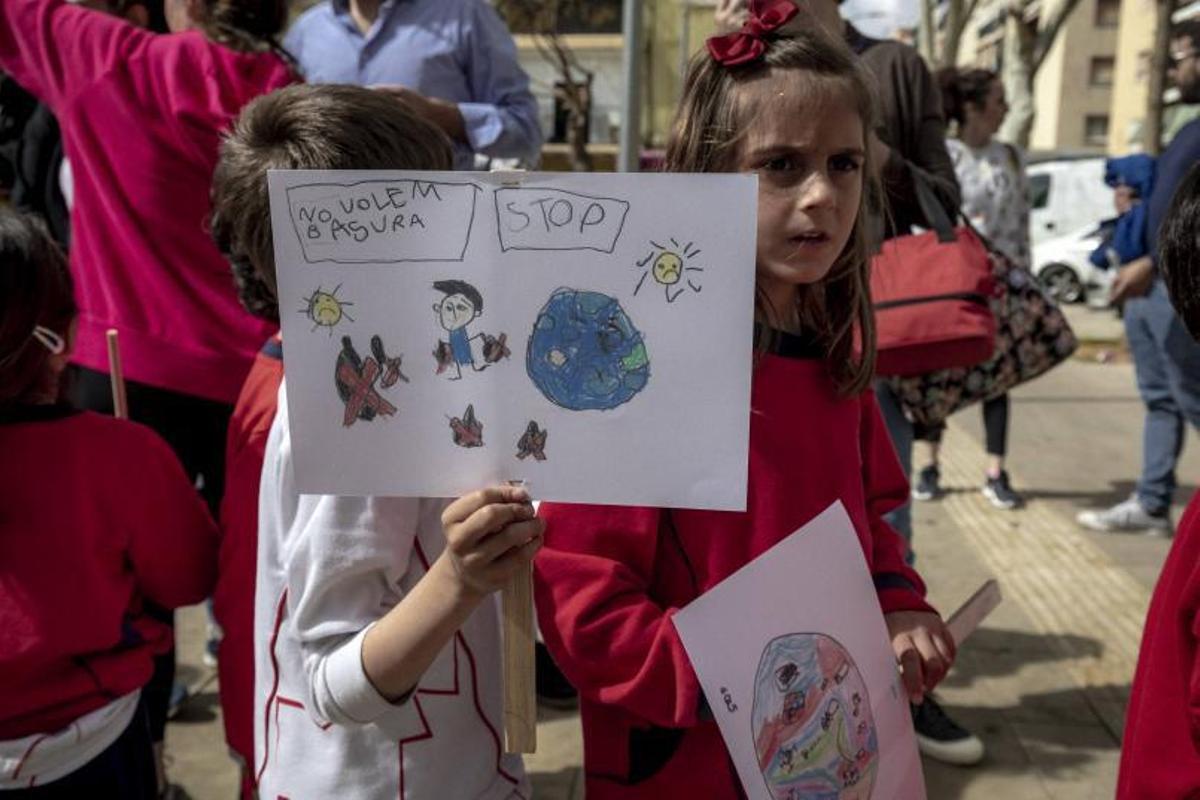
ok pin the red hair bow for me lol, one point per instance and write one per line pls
(749, 44)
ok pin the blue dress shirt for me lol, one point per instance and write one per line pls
(456, 50)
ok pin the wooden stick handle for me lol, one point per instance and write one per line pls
(520, 702)
(120, 407)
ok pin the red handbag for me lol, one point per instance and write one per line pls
(931, 296)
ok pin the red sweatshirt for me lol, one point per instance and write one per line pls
(1160, 753)
(96, 515)
(609, 579)
(141, 117)
(233, 599)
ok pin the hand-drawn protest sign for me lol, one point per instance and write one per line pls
(589, 335)
(793, 655)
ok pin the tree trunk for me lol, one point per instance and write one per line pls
(1017, 76)
(1152, 133)
(954, 28)
(926, 33)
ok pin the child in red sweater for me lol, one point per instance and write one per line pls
(794, 108)
(1160, 754)
(98, 517)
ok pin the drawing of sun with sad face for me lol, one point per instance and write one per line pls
(670, 267)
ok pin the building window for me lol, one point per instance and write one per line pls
(1095, 130)
(1108, 13)
(1101, 72)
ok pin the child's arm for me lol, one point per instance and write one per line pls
(923, 646)
(54, 49)
(489, 534)
(615, 644)
(173, 540)
(365, 641)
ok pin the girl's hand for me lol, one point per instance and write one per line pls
(489, 534)
(924, 649)
(730, 15)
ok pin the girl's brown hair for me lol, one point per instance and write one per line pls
(35, 290)
(710, 128)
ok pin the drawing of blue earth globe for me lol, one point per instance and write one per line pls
(585, 353)
(814, 732)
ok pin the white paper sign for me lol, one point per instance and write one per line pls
(588, 334)
(794, 658)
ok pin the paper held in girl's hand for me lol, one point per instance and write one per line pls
(587, 333)
(795, 660)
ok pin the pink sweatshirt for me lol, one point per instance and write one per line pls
(141, 117)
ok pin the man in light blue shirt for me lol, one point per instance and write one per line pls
(452, 61)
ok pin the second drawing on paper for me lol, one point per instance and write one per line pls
(814, 733)
(460, 304)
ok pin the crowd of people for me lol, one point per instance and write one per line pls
(139, 137)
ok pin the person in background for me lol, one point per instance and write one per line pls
(98, 519)
(909, 143)
(1166, 359)
(141, 114)
(452, 62)
(1160, 751)
(995, 198)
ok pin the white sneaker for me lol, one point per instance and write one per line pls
(1126, 517)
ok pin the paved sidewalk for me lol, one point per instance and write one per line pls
(1044, 682)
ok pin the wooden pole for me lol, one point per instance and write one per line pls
(520, 702)
(117, 378)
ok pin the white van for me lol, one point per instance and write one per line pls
(1067, 193)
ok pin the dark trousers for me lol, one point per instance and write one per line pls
(995, 427)
(195, 429)
(125, 770)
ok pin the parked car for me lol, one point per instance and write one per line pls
(1063, 267)
(1066, 194)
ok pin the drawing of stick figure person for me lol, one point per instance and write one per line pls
(460, 306)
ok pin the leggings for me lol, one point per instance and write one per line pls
(995, 427)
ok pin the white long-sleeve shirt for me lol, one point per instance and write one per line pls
(328, 568)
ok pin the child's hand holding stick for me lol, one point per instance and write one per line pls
(117, 378)
(520, 700)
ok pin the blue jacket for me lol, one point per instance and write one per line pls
(1129, 235)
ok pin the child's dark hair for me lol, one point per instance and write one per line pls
(246, 25)
(35, 292)
(960, 87)
(461, 287)
(329, 126)
(708, 134)
(1179, 251)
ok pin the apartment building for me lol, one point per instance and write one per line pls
(1074, 87)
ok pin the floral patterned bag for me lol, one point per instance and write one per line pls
(1032, 336)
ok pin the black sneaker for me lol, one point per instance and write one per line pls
(1000, 493)
(927, 487)
(943, 739)
(553, 689)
